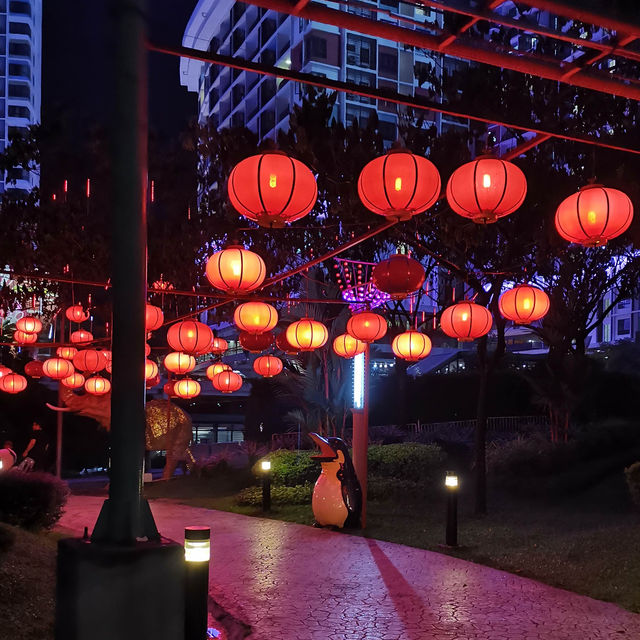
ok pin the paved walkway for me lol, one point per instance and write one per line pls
(292, 582)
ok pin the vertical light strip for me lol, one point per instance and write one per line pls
(358, 381)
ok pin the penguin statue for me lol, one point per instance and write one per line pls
(337, 496)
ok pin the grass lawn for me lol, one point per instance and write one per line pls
(586, 543)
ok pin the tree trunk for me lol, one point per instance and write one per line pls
(481, 445)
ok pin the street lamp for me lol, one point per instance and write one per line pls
(197, 553)
(451, 483)
(265, 467)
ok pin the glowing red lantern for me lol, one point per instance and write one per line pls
(77, 314)
(147, 350)
(152, 382)
(367, 326)
(466, 321)
(216, 368)
(411, 346)
(74, 381)
(236, 270)
(524, 304)
(594, 215)
(109, 366)
(13, 383)
(57, 368)
(267, 366)
(272, 189)
(153, 317)
(398, 275)
(186, 388)
(399, 185)
(284, 345)
(178, 362)
(190, 336)
(255, 342)
(81, 337)
(255, 317)
(108, 356)
(486, 189)
(66, 352)
(29, 324)
(97, 386)
(150, 369)
(168, 389)
(227, 381)
(347, 346)
(4, 370)
(25, 338)
(218, 346)
(307, 334)
(89, 360)
(33, 369)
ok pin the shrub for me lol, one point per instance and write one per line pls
(410, 461)
(290, 468)
(31, 500)
(7, 538)
(252, 496)
(632, 475)
(392, 488)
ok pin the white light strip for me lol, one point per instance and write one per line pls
(358, 381)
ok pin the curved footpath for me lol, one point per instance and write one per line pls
(293, 582)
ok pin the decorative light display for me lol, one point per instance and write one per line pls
(218, 346)
(150, 369)
(367, 326)
(190, 336)
(524, 304)
(486, 189)
(4, 370)
(97, 386)
(186, 388)
(168, 389)
(180, 363)
(272, 189)
(81, 337)
(398, 275)
(399, 185)
(13, 383)
(23, 338)
(215, 368)
(236, 270)
(89, 360)
(153, 317)
(57, 368)
(358, 381)
(466, 321)
(307, 334)
(411, 346)
(77, 314)
(147, 350)
(74, 381)
(227, 381)
(255, 342)
(66, 352)
(33, 369)
(352, 277)
(255, 317)
(29, 324)
(267, 366)
(283, 344)
(347, 346)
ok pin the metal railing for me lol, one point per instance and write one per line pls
(509, 424)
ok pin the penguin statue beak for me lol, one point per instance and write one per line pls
(327, 452)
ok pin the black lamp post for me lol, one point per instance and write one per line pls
(197, 553)
(451, 484)
(265, 467)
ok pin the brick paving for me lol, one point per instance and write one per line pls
(292, 582)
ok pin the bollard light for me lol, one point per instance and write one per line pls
(197, 544)
(197, 553)
(451, 484)
(451, 480)
(265, 466)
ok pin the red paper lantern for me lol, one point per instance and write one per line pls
(179, 363)
(399, 185)
(367, 326)
(272, 189)
(168, 389)
(411, 346)
(307, 334)
(153, 317)
(186, 388)
(218, 346)
(77, 314)
(255, 317)
(255, 342)
(594, 215)
(236, 270)
(33, 369)
(81, 337)
(284, 345)
(190, 336)
(25, 338)
(147, 350)
(89, 360)
(524, 304)
(466, 321)
(57, 368)
(216, 368)
(74, 381)
(347, 346)
(152, 382)
(97, 386)
(150, 369)
(267, 366)
(66, 352)
(4, 370)
(109, 367)
(227, 381)
(486, 189)
(398, 275)
(29, 324)
(13, 383)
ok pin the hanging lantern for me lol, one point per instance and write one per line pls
(4, 370)
(216, 368)
(77, 314)
(255, 317)
(33, 369)
(524, 304)
(347, 346)
(147, 350)
(150, 369)
(594, 215)
(57, 368)
(97, 386)
(398, 275)
(236, 270)
(284, 345)
(367, 326)
(29, 324)
(227, 381)
(307, 334)
(109, 367)
(81, 337)
(486, 189)
(89, 360)
(74, 381)
(108, 356)
(153, 317)
(152, 382)
(466, 321)
(13, 383)
(218, 346)
(411, 346)
(168, 389)
(66, 352)
(23, 338)
(178, 362)
(186, 388)
(272, 189)
(399, 185)
(190, 336)
(255, 342)
(267, 366)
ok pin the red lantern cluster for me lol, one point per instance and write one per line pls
(347, 346)
(367, 326)
(190, 336)
(236, 270)
(411, 346)
(22, 338)
(524, 304)
(307, 334)
(398, 275)
(466, 321)
(216, 368)
(267, 366)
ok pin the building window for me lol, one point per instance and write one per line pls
(360, 114)
(624, 304)
(315, 48)
(20, 70)
(363, 78)
(22, 8)
(21, 28)
(389, 63)
(624, 327)
(19, 91)
(387, 130)
(19, 112)
(361, 51)
(20, 49)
